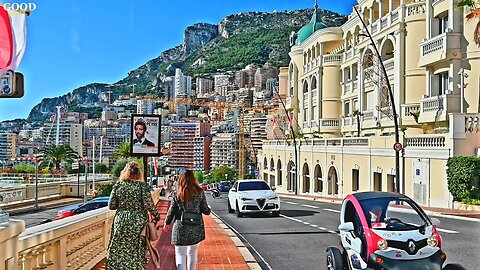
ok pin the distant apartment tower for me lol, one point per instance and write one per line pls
(270, 87)
(169, 87)
(183, 85)
(282, 82)
(203, 86)
(71, 134)
(113, 137)
(8, 145)
(145, 106)
(190, 146)
(220, 81)
(262, 75)
(224, 151)
(258, 133)
(109, 116)
(245, 78)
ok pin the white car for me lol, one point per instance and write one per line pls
(253, 196)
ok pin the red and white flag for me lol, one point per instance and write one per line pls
(274, 121)
(291, 119)
(7, 48)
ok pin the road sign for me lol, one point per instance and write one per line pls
(256, 172)
(398, 147)
(75, 166)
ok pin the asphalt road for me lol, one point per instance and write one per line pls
(36, 217)
(299, 237)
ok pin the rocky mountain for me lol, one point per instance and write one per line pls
(238, 40)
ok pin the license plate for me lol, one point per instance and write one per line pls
(270, 204)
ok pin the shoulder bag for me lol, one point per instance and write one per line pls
(189, 218)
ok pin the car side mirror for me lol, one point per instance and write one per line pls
(233, 190)
(435, 221)
(274, 188)
(346, 227)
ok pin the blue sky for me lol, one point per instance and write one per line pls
(71, 43)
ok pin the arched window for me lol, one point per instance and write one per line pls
(318, 186)
(279, 173)
(306, 178)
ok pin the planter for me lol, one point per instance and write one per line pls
(467, 207)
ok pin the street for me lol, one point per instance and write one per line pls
(299, 237)
(35, 218)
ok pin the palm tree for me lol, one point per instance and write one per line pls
(474, 9)
(58, 153)
(357, 114)
(122, 151)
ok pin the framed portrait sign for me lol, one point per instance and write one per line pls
(145, 137)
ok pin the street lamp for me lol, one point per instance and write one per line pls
(462, 86)
(394, 110)
(226, 177)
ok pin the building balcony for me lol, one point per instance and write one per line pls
(437, 108)
(440, 48)
(406, 113)
(329, 125)
(333, 59)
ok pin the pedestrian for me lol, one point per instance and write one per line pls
(132, 199)
(189, 199)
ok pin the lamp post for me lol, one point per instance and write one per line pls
(462, 86)
(293, 136)
(392, 100)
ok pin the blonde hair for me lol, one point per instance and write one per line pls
(132, 171)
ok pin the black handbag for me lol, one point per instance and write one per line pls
(189, 218)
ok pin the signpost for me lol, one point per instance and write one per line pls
(75, 166)
(398, 147)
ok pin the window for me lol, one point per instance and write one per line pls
(347, 108)
(355, 104)
(355, 180)
(443, 83)
(442, 24)
(377, 181)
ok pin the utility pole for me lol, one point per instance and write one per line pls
(57, 136)
(392, 100)
(36, 183)
(93, 165)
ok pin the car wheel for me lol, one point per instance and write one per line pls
(237, 210)
(334, 259)
(230, 209)
(453, 266)
(276, 213)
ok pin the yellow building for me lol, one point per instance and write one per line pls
(336, 86)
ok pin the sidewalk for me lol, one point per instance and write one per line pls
(434, 211)
(217, 251)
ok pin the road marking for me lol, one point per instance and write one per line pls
(291, 218)
(323, 228)
(331, 210)
(311, 206)
(291, 202)
(446, 231)
(306, 223)
(313, 225)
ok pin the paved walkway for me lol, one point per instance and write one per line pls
(441, 211)
(218, 251)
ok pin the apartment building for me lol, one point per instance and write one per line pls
(8, 146)
(224, 151)
(203, 87)
(70, 133)
(336, 86)
(182, 84)
(190, 146)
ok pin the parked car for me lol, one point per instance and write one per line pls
(204, 186)
(82, 208)
(253, 196)
(224, 186)
(382, 230)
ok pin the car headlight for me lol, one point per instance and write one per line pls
(273, 198)
(432, 241)
(382, 244)
(246, 199)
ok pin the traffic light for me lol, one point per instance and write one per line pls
(12, 85)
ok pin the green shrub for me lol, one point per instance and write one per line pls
(25, 168)
(463, 174)
(104, 189)
(471, 201)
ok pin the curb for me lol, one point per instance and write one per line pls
(247, 255)
(428, 212)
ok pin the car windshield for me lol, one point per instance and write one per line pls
(260, 185)
(393, 214)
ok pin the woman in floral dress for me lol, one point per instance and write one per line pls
(132, 199)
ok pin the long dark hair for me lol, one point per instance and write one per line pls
(188, 186)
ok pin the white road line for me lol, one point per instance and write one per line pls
(446, 231)
(311, 206)
(322, 228)
(334, 232)
(291, 218)
(313, 225)
(291, 202)
(244, 240)
(331, 210)
(306, 223)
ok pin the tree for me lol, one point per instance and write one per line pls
(219, 174)
(357, 114)
(199, 176)
(122, 151)
(474, 12)
(57, 154)
(101, 168)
